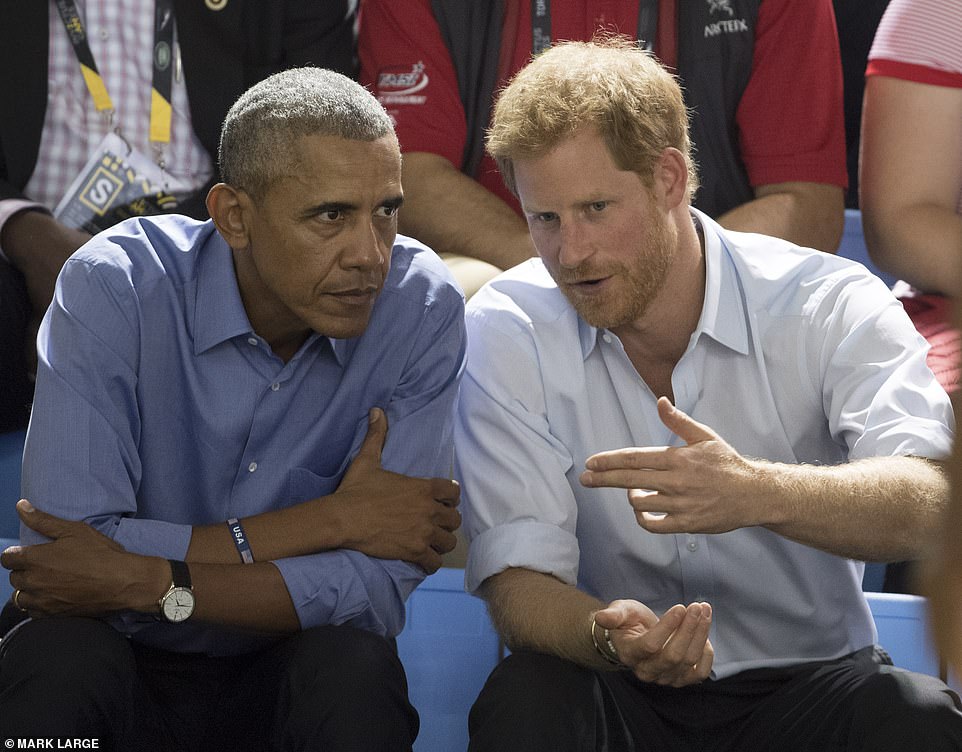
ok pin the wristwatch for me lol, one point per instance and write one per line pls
(178, 602)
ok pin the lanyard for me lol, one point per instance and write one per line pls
(541, 24)
(161, 86)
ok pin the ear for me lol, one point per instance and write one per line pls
(671, 177)
(230, 208)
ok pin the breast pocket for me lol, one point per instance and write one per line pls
(303, 484)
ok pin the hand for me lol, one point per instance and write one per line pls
(704, 487)
(80, 572)
(392, 516)
(673, 650)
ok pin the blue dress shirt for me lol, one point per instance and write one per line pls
(798, 357)
(159, 408)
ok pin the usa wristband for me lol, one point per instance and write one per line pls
(240, 540)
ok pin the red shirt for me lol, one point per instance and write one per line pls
(790, 118)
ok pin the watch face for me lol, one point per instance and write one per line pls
(178, 604)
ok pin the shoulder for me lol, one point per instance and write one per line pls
(140, 252)
(783, 279)
(525, 295)
(418, 275)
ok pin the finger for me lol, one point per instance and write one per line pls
(652, 480)
(12, 557)
(373, 443)
(430, 561)
(449, 518)
(685, 428)
(637, 458)
(662, 523)
(654, 640)
(446, 491)
(699, 636)
(41, 522)
(443, 542)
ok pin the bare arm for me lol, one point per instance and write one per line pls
(876, 509)
(537, 612)
(808, 214)
(910, 179)
(452, 213)
(81, 572)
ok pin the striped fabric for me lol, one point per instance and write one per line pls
(920, 40)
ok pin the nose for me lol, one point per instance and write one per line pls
(363, 250)
(573, 245)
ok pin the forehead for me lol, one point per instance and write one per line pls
(579, 168)
(343, 166)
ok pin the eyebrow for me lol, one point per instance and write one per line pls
(393, 202)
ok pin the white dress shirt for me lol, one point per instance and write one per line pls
(798, 357)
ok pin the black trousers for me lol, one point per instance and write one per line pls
(533, 703)
(326, 688)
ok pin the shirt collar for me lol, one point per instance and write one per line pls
(219, 312)
(724, 316)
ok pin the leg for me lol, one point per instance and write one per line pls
(76, 678)
(336, 688)
(541, 703)
(854, 704)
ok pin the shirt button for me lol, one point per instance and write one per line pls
(104, 34)
(252, 467)
(275, 386)
(692, 545)
(252, 340)
(606, 337)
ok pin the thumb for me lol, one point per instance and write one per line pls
(373, 443)
(684, 427)
(625, 613)
(40, 522)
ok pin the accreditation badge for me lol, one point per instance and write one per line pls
(116, 183)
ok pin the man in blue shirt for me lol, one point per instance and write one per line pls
(677, 445)
(238, 457)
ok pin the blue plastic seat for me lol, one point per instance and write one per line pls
(902, 631)
(448, 648)
(853, 246)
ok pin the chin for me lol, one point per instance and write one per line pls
(342, 329)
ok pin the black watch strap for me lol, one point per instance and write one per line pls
(180, 573)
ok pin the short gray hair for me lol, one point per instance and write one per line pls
(258, 135)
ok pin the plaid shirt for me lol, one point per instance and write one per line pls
(121, 36)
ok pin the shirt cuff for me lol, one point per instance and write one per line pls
(537, 546)
(11, 206)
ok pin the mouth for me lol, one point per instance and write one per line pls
(588, 285)
(355, 296)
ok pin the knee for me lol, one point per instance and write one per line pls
(355, 661)
(63, 674)
(528, 685)
(74, 655)
(896, 702)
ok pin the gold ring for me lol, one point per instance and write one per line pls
(16, 600)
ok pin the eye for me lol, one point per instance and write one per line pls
(387, 211)
(597, 206)
(545, 217)
(331, 215)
